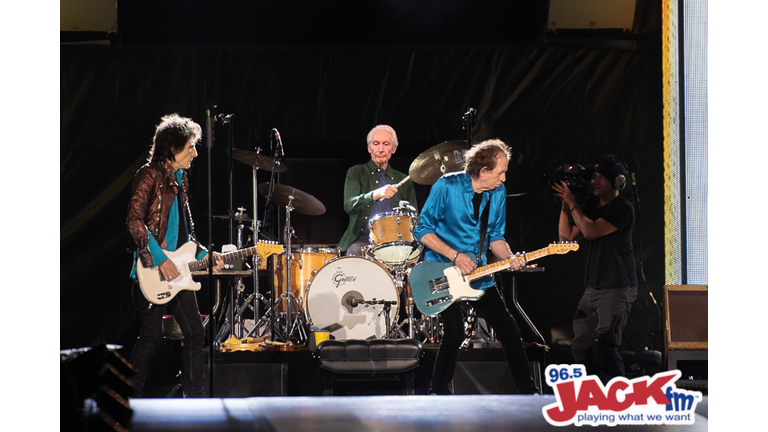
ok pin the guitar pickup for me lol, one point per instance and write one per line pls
(439, 300)
(438, 285)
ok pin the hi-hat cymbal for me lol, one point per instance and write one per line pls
(302, 202)
(240, 217)
(440, 159)
(260, 161)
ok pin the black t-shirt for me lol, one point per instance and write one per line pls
(610, 259)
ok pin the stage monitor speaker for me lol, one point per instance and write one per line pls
(248, 380)
(490, 377)
(686, 336)
(686, 319)
(590, 14)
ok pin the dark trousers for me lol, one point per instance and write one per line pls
(491, 308)
(185, 310)
(597, 328)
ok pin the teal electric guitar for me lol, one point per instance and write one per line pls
(435, 285)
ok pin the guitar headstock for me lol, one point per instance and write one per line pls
(562, 247)
(265, 249)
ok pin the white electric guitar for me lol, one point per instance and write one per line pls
(158, 291)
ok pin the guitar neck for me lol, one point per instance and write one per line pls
(202, 264)
(503, 265)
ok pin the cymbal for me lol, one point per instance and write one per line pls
(440, 159)
(260, 161)
(240, 217)
(302, 202)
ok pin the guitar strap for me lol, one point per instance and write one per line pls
(468, 309)
(183, 235)
(483, 229)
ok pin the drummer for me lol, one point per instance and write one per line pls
(370, 189)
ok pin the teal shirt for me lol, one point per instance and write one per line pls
(450, 215)
(171, 235)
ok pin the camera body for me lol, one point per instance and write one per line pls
(577, 177)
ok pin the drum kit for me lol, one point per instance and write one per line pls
(316, 290)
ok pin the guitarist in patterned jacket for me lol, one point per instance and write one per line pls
(159, 219)
(450, 225)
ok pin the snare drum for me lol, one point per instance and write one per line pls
(392, 237)
(305, 263)
(348, 297)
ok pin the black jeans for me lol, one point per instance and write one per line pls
(185, 310)
(491, 308)
(597, 328)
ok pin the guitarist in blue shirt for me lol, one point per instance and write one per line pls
(464, 214)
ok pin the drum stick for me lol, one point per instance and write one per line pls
(399, 184)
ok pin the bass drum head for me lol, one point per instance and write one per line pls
(333, 291)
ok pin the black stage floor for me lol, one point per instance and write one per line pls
(297, 373)
(486, 413)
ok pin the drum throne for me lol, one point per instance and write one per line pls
(369, 360)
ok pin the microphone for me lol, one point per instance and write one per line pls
(351, 301)
(224, 118)
(470, 113)
(406, 205)
(279, 151)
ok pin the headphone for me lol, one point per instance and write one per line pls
(620, 180)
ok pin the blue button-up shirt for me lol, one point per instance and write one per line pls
(450, 215)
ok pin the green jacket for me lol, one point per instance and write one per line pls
(359, 185)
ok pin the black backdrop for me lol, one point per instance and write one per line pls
(323, 76)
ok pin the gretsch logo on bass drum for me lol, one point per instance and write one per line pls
(339, 278)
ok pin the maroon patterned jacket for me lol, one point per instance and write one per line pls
(154, 189)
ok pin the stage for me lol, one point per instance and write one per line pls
(487, 413)
(286, 391)
(298, 373)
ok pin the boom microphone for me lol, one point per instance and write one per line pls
(279, 151)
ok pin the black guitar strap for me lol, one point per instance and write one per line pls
(483, 229)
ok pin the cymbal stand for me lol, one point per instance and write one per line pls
(291, 325)
(255, 227)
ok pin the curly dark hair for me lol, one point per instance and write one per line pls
(171, 136)
(484, 154)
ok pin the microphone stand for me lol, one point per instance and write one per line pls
(211, 299)
(270, 190)
(467, 118)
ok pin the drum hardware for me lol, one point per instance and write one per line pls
(256, 161)
(292, 199)
(440, 159)
(239, 216)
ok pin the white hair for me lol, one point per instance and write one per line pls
(385, 128)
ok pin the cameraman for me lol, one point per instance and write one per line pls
(610, 279)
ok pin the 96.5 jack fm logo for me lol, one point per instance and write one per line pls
(584, 400)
